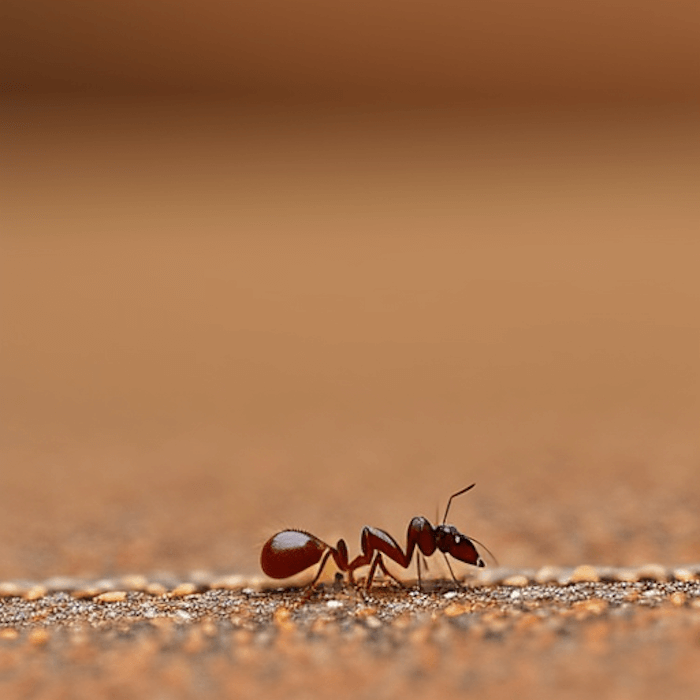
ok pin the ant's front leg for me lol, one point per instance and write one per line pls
(449, 566)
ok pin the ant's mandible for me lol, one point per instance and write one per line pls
(291, 551)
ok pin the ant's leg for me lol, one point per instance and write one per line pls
(320, 568)
(449, 566)
(388, 573)
(420, 583)
(372, 569)
(379, 562)
(310, 588)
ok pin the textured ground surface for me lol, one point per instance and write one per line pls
(625, 633)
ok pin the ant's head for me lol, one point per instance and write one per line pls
(450, 540)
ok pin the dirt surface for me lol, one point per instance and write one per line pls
(219, 322)
(571, 633)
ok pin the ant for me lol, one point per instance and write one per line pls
(291, 551)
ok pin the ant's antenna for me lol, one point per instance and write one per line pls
(454, 495)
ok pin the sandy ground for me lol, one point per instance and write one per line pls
(622, 633)
(218, 323)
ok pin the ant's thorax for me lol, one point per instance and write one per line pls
(446, 536)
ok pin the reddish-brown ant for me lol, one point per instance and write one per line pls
(291, 551)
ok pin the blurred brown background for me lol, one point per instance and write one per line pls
(322, 265)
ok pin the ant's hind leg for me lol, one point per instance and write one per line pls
(320, 569)
(312, 586)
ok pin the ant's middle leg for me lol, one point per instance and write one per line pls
(379, 562)
(420, 558)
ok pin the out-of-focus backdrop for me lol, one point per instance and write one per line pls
(322, 265)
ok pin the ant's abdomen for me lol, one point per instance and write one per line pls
(289, 552)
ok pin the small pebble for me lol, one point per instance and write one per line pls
(184, 589)
(111, 597)
(10, 590)
(83, 593)
(626, 575)
(584, 574)
(548, 574)
(35, 592)
(157, 589)
(519, 580)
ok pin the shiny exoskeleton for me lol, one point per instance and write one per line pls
(292, 551)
